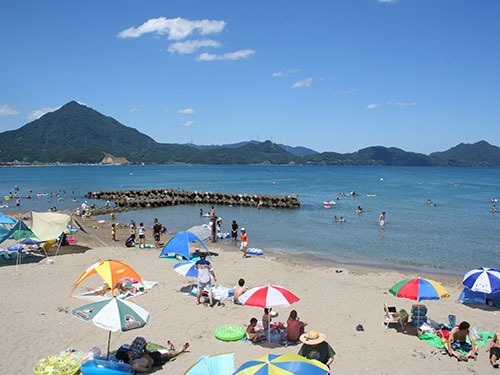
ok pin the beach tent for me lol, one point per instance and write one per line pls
(49, 225)
(179, 245)
(18, 232)
(478, 298)
(111, 271)
(4, 219)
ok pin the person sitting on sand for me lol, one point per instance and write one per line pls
(457, 340)
(253, 334)
(238, 291)
(266, 318)
(494, 350)
(315, 347)
(294, 327)
(143, 361)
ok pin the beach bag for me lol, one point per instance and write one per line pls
(130, 242)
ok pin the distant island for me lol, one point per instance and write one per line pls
(77, 134)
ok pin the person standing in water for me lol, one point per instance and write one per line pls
(381, 219)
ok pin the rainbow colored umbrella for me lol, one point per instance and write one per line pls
(284, 364)
(419, 289)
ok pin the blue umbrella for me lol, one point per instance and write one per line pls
(186, 269)
(483, 279)
(217, 364)
(275, 364)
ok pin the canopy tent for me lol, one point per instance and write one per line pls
(478, 298)
(19, 231)
(49, 225)
(179, 245)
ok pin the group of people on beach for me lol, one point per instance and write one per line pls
(292, 332)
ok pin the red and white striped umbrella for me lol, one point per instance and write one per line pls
(268, 296)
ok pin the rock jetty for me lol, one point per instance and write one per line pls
(140, 199)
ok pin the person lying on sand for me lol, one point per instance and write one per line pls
(494, 350)
(143, 361)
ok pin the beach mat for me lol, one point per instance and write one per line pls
(432, 339)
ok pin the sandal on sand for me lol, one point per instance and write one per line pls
(185, 347)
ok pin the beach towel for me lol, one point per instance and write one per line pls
(135, 290)
(433, 339)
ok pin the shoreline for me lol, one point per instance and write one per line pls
(298, 258)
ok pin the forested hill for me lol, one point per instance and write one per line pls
(76, 133)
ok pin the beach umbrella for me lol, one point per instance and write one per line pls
(203, 231)
(268, 296)
(485, 280)
(113, 314)
(284, 364)
(186, 269)
(419, 289)
(111, 271)
(217, 364)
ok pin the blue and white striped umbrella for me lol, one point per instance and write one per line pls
(186, 269)
(483, 279)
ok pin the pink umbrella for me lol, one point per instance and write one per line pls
(268, 296)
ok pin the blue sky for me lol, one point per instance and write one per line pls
(331, 75)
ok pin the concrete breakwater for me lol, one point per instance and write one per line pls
(139, 199)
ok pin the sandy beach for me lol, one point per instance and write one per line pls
(38, 321)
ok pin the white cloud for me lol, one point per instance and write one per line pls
(7, 110)
(387, 1)
(372, 106)
(402, 104)
(133, 110)
(237, 55)
(186, 111)
(192, 46)
(303, 83)
(188, 124)
(174, 28)
(285, 73)
(36, 114)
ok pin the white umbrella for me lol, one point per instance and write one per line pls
(113, 314)
(186, 269)
(483, 279)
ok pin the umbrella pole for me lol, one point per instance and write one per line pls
(269, 328)
(109, 341)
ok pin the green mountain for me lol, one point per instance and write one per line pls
(480, 154)
(78, 134)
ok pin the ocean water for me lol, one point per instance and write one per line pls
(458, 232)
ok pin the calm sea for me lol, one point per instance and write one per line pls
(458, 232)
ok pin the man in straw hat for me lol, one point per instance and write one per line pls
(315, 347)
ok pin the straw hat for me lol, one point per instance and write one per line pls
(312, 337)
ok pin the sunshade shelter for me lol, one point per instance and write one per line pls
(49, 225)
(179, 245)
(111, 271)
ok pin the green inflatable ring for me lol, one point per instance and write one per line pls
(230, 332)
